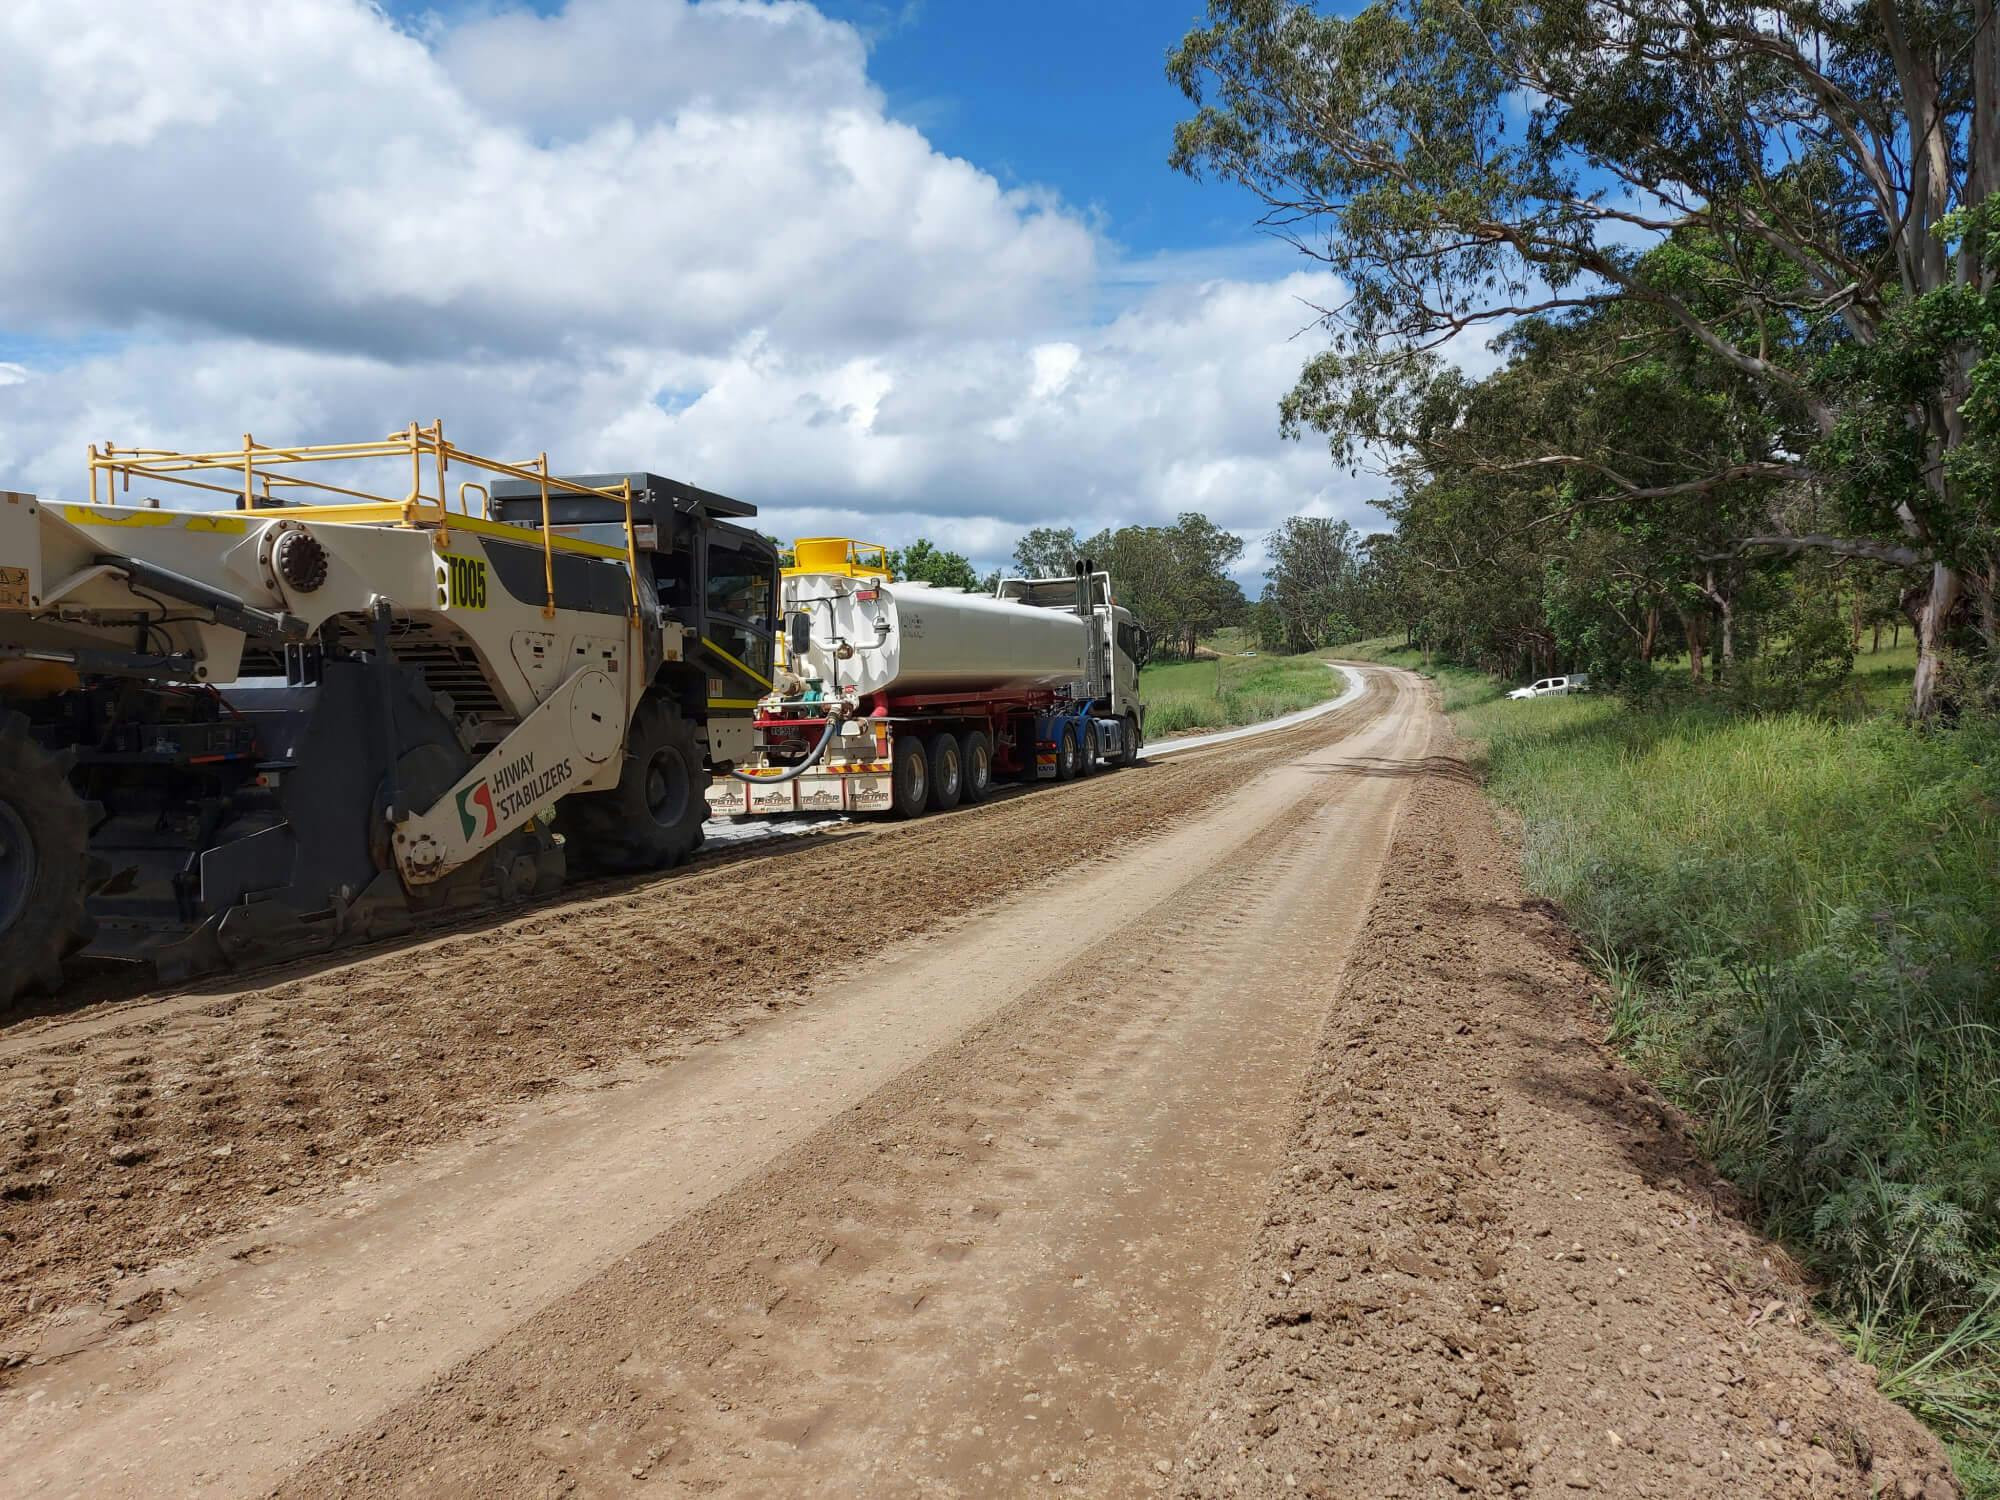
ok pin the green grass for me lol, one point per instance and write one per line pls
(1798, 921)
(1185, 696)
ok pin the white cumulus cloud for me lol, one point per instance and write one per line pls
(635, 233)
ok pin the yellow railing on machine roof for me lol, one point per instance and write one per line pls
(841, 555)
(262, 478)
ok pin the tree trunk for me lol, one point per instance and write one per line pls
(1933, 614)
(1725, 658)
(1651, 634)
(1696, 630)
(1876, 644)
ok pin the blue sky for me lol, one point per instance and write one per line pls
(882, 268)
(1074, 96)
(1071, 95)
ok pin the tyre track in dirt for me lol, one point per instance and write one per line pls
(1006, 1267)
(338, 1318)
(126, 1146)
(1495, 1264)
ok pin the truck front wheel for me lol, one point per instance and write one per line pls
(653, 817)
(911, 774)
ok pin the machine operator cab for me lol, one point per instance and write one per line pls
(716, 579)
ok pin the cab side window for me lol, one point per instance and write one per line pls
(741, 585)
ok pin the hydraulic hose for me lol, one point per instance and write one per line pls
(792, 773)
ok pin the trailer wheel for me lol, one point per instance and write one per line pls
(1066, 753)
(978, 758)
(911, 775)
(947, 771)
(1129, 755)
(44, 864)
(653, 817)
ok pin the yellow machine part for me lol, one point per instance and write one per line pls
(841, 555)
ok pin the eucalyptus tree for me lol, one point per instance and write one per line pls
(926, 562)
(1817, 172)
(1047, 552)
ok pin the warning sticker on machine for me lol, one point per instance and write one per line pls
(13, 588)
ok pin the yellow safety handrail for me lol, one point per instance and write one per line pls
(262, 468)
(838, 554)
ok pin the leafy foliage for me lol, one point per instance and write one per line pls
(1174, 578)
(1047, 552)
(925, 562)
(1762, 233)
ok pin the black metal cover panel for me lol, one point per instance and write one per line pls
(519, 501)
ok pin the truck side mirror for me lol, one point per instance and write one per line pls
(798, 636)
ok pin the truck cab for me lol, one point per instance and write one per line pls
(1119, 645)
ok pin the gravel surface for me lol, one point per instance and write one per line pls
(133, 1131)
(1229, 1125)
(1493, 1262)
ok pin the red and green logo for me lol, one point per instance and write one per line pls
(478, 796)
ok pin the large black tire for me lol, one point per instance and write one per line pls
(1067, 753)
(1086, 747)
(910, 778)
(653, 817)
(1129, 756)
(976, 752)
(947, 771)
(44, 865)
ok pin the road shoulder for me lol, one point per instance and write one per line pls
(1493, 1262)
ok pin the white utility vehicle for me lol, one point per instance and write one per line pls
(1553, 687)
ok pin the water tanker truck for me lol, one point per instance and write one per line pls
(905, 698)
(302, 712)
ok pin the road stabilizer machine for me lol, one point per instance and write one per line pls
(334, 697)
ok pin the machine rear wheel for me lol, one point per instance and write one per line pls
(912, 779)
(947, 771)
(44, 862)
(978, 758)
(1066, 753)
(653, 817)
(1086, 747)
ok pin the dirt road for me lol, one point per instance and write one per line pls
(1075, 1140)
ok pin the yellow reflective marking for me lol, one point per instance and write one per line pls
(214, 524)
(531, 536)
(732, 703)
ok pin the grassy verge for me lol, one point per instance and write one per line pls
(1799, 924)
(1182, 697)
